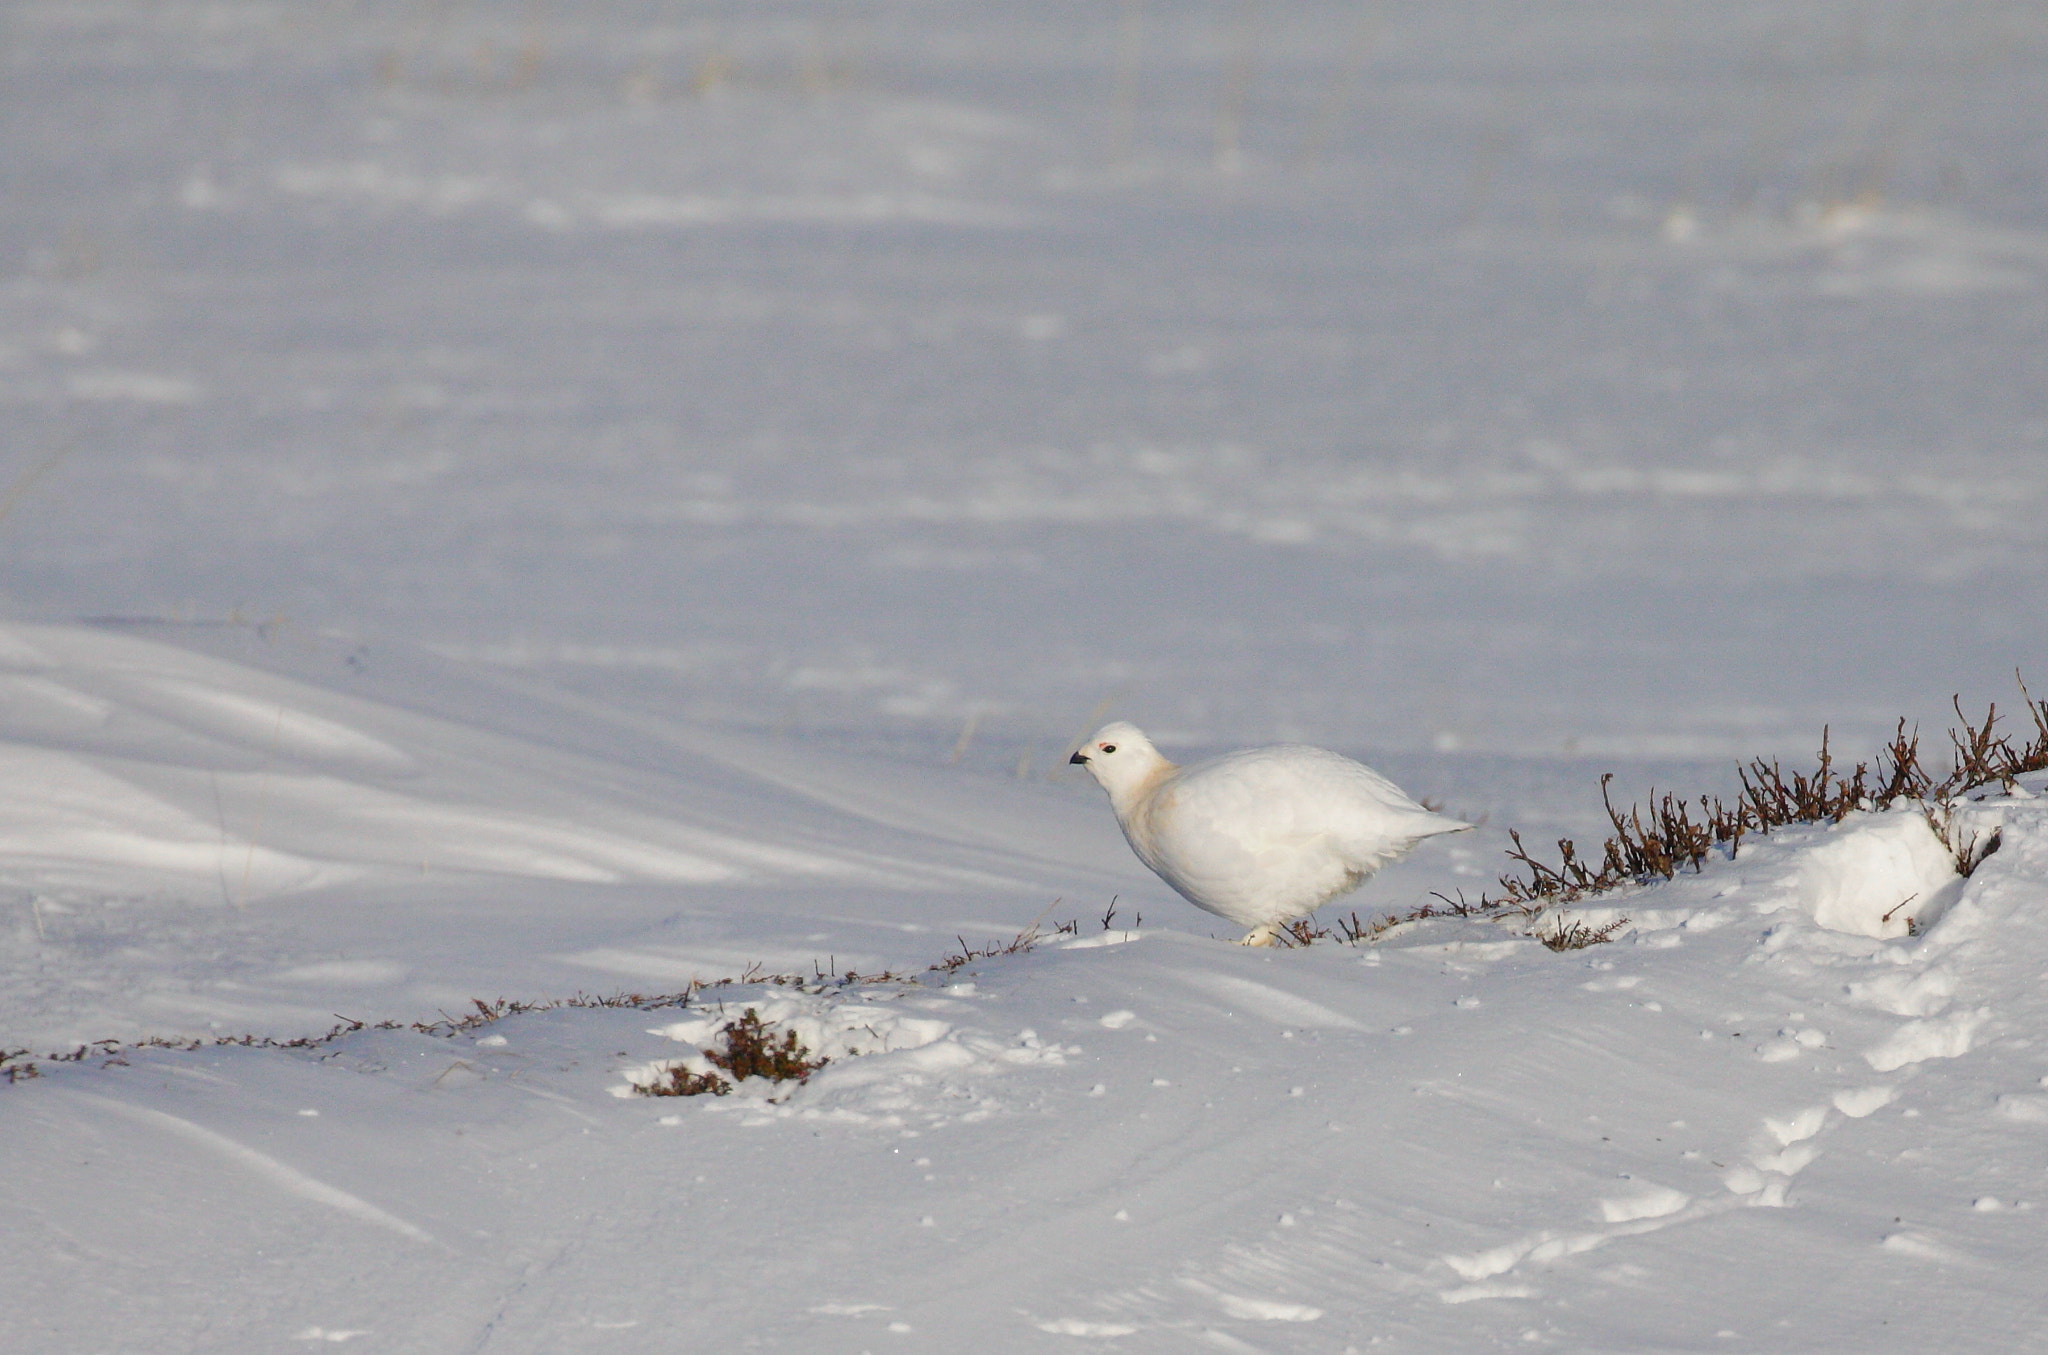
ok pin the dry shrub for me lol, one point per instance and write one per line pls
(749, 1049)
(1576, 935)
(1657, 840)
(1664, 838)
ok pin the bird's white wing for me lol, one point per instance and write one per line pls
(1270, 833)
(1293, 791)
(1226, 834)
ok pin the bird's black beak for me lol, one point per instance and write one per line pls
(1077, 757)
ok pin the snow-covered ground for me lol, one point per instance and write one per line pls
(510, 501)
(1764, 1118)
(1598, 378)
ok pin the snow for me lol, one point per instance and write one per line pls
(1878, 875)
(504, 502)
(1639, 1145)
(196, 801)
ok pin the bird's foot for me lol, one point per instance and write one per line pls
(1265, 934)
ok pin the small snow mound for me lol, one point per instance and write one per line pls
(1654, 1203)
(1794, 1128)
(1948, 1037)
(1266, 1310)
(827, 1028)
(1471, 1292)
(1486, 1264)
(1857, 1102)
(1915, 994)
(1073, 1326)
(1881, 875)
(885, 1065)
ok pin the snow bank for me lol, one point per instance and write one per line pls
(1880, 875)
(416, 841)
(1736, 1118)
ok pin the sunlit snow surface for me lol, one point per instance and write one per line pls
(1732, 1119)
(1627, 380)
(505, 500)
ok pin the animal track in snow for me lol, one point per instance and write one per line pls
(1654, 1203)
(1472, 1292)
(1784, 1148)
(1071, 1326)
(1312, 1251)
(1922, 994)
(1248, 1309)
(1803, 1125)
(1790, 1044)
(1646, 1211)
(1787, 1162)
(1947, 1037)
(1857, 1102)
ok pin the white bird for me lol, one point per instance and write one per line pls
(1262, 836)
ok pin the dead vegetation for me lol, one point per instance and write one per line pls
(1025, 940)
(21, 1065)
(1664, 838)
(1576, 934)
(1353, 930)
(749, 1048)
(1659, 839)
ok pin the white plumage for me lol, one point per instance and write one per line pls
(1262, 836)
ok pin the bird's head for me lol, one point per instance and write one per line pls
(1121, 759)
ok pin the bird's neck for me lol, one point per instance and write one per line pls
(1125, 798)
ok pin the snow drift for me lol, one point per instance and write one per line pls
(1747, 1122)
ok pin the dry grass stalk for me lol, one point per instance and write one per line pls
(1023, 941)
(1353, 930)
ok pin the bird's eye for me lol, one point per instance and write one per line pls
(1109, 748)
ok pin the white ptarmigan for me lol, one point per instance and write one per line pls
(1262, 836)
